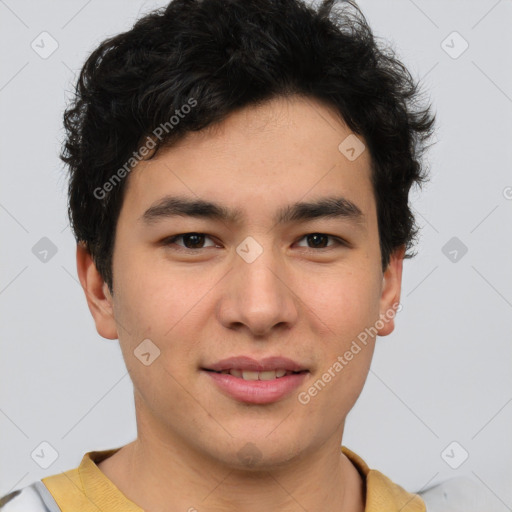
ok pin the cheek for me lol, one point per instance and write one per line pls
(345, 308)
(167, 306)
(342, 302)
(154, 297)
(158, 306)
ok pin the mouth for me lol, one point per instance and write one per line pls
(247, 380)
(254, 375)
(251, 366)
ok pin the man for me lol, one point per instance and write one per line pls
(239, 180)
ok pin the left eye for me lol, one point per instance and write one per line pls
(194, 241)
(317, 238)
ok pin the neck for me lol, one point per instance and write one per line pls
(153, 475)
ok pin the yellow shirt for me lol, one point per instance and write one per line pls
(87, 489)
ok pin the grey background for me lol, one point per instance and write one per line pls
(442, 376)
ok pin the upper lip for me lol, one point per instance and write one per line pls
(261, 365)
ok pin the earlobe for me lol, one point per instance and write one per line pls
(391, 290)
(97, 294)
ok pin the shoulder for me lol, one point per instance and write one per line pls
(460, 494)
(32, 498)
(381, 492)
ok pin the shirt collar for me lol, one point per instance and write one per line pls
(381, 493)
(98, 488)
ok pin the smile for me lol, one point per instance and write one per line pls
(253, 375)
(257, 388)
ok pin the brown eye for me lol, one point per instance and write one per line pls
(191, 241)
(320, 241)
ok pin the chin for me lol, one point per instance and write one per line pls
(259, 453)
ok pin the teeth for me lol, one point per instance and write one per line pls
(269, 375)
(247, 375)
(252, 375)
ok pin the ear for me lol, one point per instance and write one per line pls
(391, 289)
(97, 294)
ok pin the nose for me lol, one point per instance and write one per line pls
(258, 296)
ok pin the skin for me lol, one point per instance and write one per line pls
(294, 300)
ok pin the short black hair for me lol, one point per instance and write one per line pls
(190, 64)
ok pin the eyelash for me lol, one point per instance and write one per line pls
(170, 241)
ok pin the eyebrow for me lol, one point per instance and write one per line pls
(327, 207)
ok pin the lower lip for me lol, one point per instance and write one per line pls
(257, 391)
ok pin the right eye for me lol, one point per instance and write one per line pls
(189, 239)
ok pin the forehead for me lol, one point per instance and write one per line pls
(285, 151)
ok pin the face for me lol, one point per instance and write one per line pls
(286, 287)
